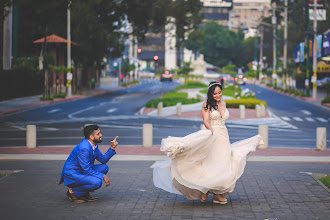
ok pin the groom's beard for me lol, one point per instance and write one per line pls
(98, 141)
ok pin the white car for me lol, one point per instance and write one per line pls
(146, 74)
(211, 75)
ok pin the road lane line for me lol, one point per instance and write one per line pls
(112, 110)
(321, 119)
(297, 119)
(309, 119)
(54, 110)
(286, 118)
(306, 112)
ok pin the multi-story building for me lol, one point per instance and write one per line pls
(217, 10)
(246, 15)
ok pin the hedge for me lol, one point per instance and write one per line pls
(249, 103)
(171, 102)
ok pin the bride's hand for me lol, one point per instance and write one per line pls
(211, 131)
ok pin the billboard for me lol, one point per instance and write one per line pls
(217, 3)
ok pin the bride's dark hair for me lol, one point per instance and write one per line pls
(210, 102)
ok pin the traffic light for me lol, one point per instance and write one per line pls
(156, 57)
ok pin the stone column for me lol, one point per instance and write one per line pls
(178, 109)
(263, 131)
(241, 111)
(147, 135)
(31, 136)
(160, 109)
(321, 138)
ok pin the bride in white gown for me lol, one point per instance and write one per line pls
(205, 162)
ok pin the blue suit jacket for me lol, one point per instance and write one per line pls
(80, 162)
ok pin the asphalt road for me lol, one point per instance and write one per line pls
(117, 114)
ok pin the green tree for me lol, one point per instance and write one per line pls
(221, 46)
(195, 41)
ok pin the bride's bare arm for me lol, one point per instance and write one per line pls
(206, 117)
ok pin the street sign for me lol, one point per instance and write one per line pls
(69, 76)
(320, 14)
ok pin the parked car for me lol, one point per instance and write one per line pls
(146, 74)
(166, 76)
(240, 79)
(211, 75)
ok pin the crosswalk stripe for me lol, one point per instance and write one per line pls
(310, 119)
(321, 119)
(285, 118)
(306, 112)
(297, 119)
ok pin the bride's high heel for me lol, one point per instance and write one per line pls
(203, 197)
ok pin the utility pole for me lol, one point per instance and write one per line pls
(285, 48)
(7, 38)
(69, 74)
(315, 55)
(307, 53)
(274, 76)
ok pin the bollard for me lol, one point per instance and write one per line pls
(241, 111)
(321, 138)
(257, 110)
(263, 131)
(262, 110)
(160, 109)
(147, 135)
(178, 109)
(31, 136)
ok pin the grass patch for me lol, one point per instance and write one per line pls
(1, 175)
(326, 181)
(191, 84)
(130, 83)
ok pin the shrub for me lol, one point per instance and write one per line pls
(60, 95)
(326, 100)
(269, 84)
(46, 98)
(170, 102)
(249, 103)
(325, 181)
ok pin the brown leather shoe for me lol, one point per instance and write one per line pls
(89, 198)
(73, 197)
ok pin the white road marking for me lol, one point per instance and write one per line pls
(321, 119)
(112, 110)
(306, 112)
(297, 119)
(82, 110)
(22, 128)
(55, 110)
(286, 118)
(309, 119)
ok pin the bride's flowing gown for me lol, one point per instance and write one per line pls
(202, 162)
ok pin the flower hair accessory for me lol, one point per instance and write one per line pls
(216, 83)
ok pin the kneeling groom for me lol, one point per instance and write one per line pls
(79, 172)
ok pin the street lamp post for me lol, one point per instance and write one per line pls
(69, 74)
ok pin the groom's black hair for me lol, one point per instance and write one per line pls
(89, 129)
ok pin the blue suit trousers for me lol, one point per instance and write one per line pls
(89, 183)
